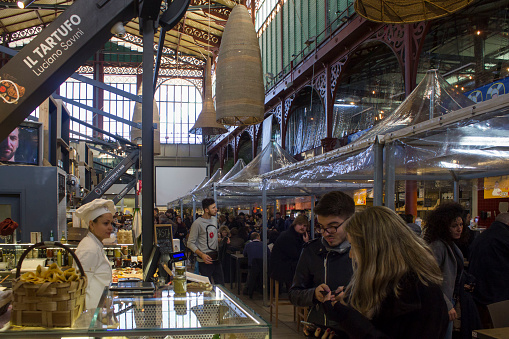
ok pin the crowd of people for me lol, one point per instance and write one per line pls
(370, 274)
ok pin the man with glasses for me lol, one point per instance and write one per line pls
(324, 264)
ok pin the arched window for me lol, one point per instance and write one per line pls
(245, 148)
(306, 122)
(371, 87)
(215, 164)
(179, 103)
(229, 159)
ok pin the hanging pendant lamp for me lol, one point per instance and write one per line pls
(240, 93)
(136, 132)
(206, 123)
(407, 11)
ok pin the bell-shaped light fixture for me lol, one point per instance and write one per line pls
(136, 132)
(206, 123)
(240, 93)
(407, 11)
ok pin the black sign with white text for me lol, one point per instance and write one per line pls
(40, 67)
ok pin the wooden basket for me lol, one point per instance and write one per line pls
(48, 304)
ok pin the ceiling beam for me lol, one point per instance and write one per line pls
(199, 35)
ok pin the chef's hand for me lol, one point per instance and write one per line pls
(206, 258)
(321, 292)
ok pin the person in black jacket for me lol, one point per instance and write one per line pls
(286, 251)
(395, 288)
(324, 264)
(489, 263)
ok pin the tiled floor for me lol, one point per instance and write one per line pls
(287, 328)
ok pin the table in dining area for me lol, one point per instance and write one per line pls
(492, 333)
(238, 260)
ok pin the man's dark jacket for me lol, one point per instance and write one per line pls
(285, 256)
(489, 264)
(318, 266)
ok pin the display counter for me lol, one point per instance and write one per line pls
(208, 315)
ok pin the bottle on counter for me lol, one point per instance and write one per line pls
(59, 258)
(62, 239)
(51, 237)
(180, 280)
(69, 259)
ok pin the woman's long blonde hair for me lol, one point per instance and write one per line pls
(384, 250)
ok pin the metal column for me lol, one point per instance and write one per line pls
(147, 148)
(390, 176)
(182, 209)
(313, 199)
(456, 191)
(378, 195)
(264, 237)
(194, 209)
(215, 194)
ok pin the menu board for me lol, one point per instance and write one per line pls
(164, 237)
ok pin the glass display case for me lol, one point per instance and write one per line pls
(215, 314)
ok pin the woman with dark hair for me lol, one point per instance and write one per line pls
(444, 226)
(395, 288)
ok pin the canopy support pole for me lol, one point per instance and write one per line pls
(378, 194)
(194, 209)
(313, 199)
(215, 194)
(147, 148)
(182, 209)
(390, 176)
(264, 237)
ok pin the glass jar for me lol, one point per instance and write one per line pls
(180, 280)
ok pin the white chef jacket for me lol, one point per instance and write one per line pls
(91, 254)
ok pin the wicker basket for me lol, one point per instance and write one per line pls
(48, 304)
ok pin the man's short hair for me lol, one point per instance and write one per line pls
(207, 202)
(301, 220)
(254, 236)
(335, 203)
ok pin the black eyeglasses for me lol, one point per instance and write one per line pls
(330, 230)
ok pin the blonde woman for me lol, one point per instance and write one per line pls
(395, 287)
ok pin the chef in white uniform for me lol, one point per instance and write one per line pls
(98, 215)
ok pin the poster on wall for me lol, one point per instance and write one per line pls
(496, 187)
(360, 197)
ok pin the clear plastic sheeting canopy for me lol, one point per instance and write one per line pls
(350, 169)
(271, 158)
(432, 98)
(473, 147)
(206, 189)
(239, 166)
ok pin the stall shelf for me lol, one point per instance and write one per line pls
(196, 315)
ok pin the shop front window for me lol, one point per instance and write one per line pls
(369, 89)
(470, 50)
(306, 122)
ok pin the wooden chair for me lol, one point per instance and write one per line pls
(302, 315)
(499, 313)
(275, 303)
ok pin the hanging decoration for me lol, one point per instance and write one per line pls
(407, 11)
(240, 93)
(206, 123)
(136, 132)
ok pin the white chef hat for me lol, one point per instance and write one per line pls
(94, 209)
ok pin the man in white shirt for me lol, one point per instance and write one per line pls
(203, 242)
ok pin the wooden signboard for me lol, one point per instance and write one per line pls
(164, 237)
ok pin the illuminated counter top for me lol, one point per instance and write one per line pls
(208, 315)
